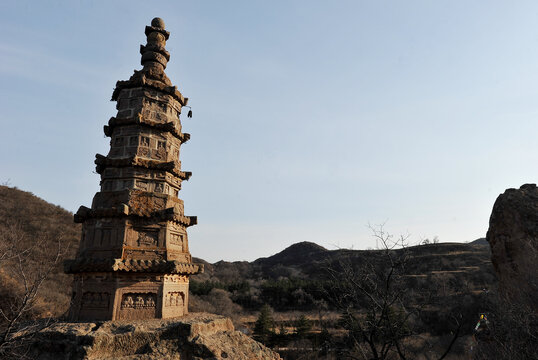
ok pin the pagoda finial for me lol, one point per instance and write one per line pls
(158, 23)
(154, 55)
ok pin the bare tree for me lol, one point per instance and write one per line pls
(25, 264)
(370, 292)
(511, 332)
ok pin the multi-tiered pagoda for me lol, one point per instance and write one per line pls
(133, 261)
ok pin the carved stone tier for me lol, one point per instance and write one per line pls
(133, 238)
(127, 296)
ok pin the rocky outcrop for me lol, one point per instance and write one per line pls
(513, 238)
(194, 337)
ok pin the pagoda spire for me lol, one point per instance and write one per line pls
(154, 59)
(154, 55)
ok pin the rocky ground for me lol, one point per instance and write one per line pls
(195, 337)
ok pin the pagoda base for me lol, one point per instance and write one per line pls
(128, 296)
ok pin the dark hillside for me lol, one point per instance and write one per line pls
(481, 241)
(294, 279)
(297, 253)
(38, 229)
(311, 261)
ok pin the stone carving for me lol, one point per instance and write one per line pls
(142, 185)
(144, 141)
(178, 279)
(141, 178)
(147, 238)
(176, 239)
(174, 298)
(143, 151)
(160, 154)
(138, 301)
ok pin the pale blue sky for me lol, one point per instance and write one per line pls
(311, 118)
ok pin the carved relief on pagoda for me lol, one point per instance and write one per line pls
(175, 279)
(145, 174)
(95, 300)
(147, 238)
(159, 187)
(133, 300)
(143, 254)
(174, 298)
(143, 237)
(141, 185)
(176, 227)
(160, 153)
(178, 255)
(160, 109)
(176, 240)
(155, 186)
(173, 180)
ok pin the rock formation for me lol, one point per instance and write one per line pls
(513, 237)
(133, 261)
(194, 337)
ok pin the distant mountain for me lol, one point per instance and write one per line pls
(480, 241)
(462, 264)
(296, 253)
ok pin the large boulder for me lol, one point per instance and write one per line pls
(197, 336)
(513, 238)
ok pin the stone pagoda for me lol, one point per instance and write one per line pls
(133, 261)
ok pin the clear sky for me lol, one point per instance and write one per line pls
(311, 118)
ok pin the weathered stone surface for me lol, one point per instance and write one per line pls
(513, 238)
(194, 337)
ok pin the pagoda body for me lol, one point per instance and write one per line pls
(133, 261)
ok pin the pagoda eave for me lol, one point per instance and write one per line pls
(142, 81)
(144, 266)
(170, 127)
(124, 211)
(102, 162)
